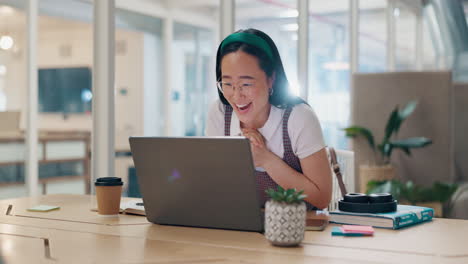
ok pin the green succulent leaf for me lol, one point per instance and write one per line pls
(280, 189)
(287, 196)
(276, 196)
(269, 191)
(354, 131)
(281, 196)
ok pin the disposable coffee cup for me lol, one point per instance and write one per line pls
(108, 192)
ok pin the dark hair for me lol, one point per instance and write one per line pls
(281, 97)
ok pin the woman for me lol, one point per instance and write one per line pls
(285, 134)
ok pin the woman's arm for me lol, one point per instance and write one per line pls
(315, 178)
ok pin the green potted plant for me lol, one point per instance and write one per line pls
(383, 170)
(285, 217)
(436, 196)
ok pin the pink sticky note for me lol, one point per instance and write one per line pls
(358, 229)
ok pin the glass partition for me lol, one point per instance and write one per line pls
(64, 61)
(405, 33)
(329, 67)
(372, 35)
(429, 59)
(12, 100)
(65, 58)
(279, 20)
(193, 57)
(139, 91)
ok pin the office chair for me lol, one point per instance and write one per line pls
(342, 164)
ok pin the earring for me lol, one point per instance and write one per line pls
(270, 91)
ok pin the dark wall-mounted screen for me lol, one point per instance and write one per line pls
(65, 90)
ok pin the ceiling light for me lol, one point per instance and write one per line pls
(6, 42)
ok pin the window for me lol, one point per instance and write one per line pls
(278, 19)
(193, 79)
(329, 68)
(372, 36)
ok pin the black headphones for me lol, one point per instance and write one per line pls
(372, 203)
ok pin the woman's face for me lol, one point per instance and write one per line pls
(240, 69)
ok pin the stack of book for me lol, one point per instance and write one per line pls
(406, 215)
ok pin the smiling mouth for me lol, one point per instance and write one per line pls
(243, 107)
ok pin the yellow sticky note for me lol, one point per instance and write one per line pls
(43, 208)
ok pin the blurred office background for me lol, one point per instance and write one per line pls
(165, 90)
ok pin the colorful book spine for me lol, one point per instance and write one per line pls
(412, 217)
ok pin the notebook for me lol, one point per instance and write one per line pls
(133, 207)
(406, 215)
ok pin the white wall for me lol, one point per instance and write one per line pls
(129, 76)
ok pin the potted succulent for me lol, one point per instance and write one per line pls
(383, 170)
(285, 217)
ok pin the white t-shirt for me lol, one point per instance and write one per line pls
(304, 129)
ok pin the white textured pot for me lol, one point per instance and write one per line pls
(285, 223)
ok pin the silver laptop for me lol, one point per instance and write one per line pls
(198, 181)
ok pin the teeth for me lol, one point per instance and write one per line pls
(240, 106)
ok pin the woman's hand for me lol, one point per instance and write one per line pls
(260, 152)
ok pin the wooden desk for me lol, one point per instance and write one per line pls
(77, 234)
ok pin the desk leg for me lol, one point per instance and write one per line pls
(86, 165)
(44, 188)
(87, 181)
